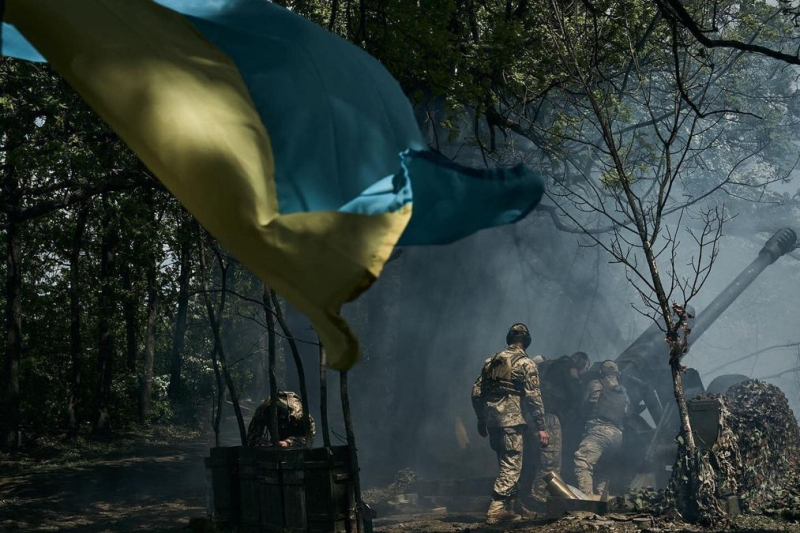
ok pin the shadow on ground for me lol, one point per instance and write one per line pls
(157, 488)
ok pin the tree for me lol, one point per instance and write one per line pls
(41, 175)
(727, 25)
(185, 237)
(220, 360)
(645, 136)
(76, 336)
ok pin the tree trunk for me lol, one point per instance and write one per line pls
(220, 394)
(223, 363)
(131, 325)
(179, 335)
(261, 370)
(146, 387)
(76, 341)
(301, 374)
(269, 315)
(105, 308)
(214, 321)
(12, 198)
(351, 445)
(323, 396)
(214, 360)
(334, 12)
(683, 410)
(12, 437)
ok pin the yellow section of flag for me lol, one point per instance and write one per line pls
(181, 105)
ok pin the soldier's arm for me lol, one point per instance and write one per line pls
(592, 395)
(533, 394)
(295, 442)
(257, 425)
(477, 397)
(299, 441)
(313, 428)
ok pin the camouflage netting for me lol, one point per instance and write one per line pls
(378, 496)
(693, 489)
(756, 457)
(769, 443)
(643, 500)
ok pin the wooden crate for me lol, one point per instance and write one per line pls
(329, 489)
(249, 491)
(224, 466)
(705, 416)
(287, 490)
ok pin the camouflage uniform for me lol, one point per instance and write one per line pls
(608, 403)
(561, 393)
(290, 422)
(505, 391)
(549, 457)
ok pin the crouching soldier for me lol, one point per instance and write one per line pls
(291, 433)
(506, 391)
(607, 405)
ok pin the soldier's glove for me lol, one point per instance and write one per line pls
(482, 428)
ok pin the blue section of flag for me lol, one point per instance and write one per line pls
(13, 44)
(337, 119)
(452, 201)
(343, 134)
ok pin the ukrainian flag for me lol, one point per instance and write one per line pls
(294, 148)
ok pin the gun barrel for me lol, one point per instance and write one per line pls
(646, 358)
(779, 244)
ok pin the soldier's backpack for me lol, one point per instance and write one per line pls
(501, 369)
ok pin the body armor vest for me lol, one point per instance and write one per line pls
(500, 371)
(612, 406)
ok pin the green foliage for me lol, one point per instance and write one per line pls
(551, 83)
(66, 161)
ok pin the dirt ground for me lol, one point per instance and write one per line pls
(615, 523)
(152, 484)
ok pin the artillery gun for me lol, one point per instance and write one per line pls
(649, 448)
(646, 374)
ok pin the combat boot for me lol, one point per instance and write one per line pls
(516, 506)
(497, 513)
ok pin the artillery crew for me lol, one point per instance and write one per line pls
(607, 405)
(291, 433)
(505, 393)
(562, 392)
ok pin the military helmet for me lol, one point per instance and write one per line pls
(609, 368)
(284, 413)
(519, 333)
(581, 358)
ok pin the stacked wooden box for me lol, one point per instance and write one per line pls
(265, 490)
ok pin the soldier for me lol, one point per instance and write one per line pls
(291, 433)
(607, 404)
(506, 391)
(561, 393)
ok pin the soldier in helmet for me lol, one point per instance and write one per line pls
(506, 391)
(607, 406)
(291, 433)
(562, 392)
